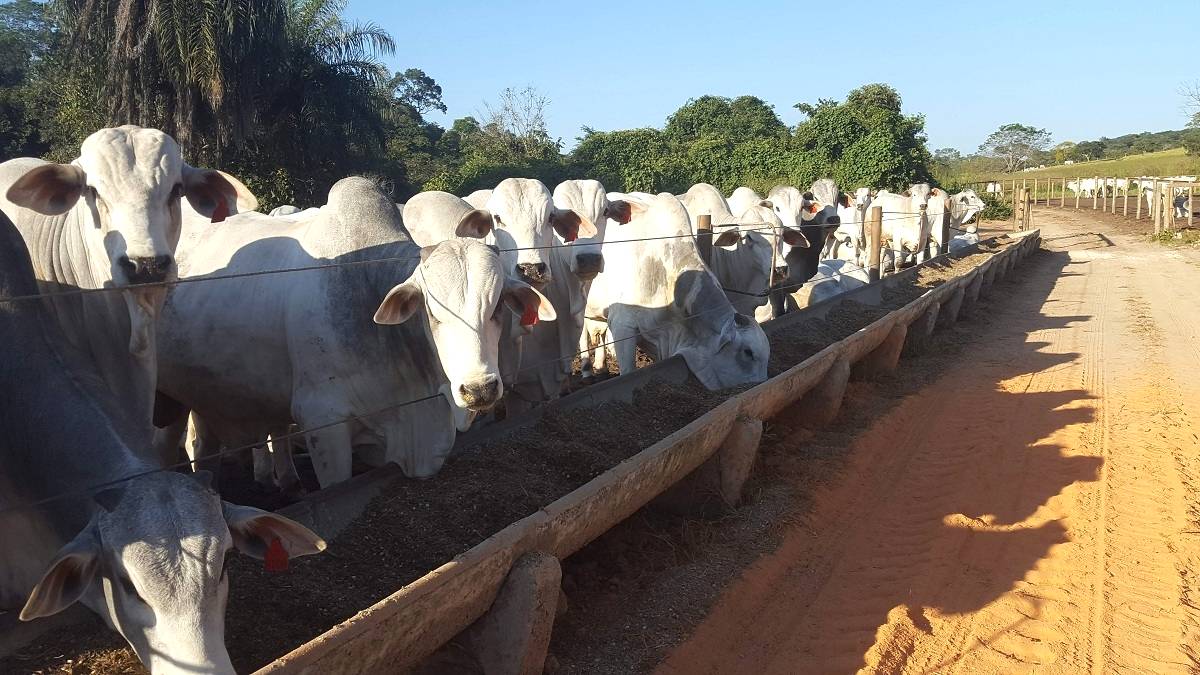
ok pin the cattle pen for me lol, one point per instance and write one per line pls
(502, 592)
(1165, 201)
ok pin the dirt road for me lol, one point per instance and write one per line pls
(1034, 508)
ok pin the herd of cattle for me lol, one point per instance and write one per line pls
(1110, 187)
(143, 299)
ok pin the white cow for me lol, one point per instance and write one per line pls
(657, 293)
(905, 225)
(743, 198)
(833, 278)
(303, 346)
(744, 250)
(548, 351)
(520, 218)
(994, 188)
(478, 199)
(285, 210)
(111, 218)
(149, 552)
(849, 240)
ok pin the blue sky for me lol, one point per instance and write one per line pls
(1079, 69)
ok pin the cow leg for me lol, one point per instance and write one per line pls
(331, 450)
(585, 349)
(625, 347)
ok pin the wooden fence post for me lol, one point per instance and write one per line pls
(1022, 210)
(704, 237)
(1125, 202)
(1155, 196)
(1188, 204)
(1169, 207)
(1095, 192)
(874, 235)
(1035, 190)
(1062, 198)
(1141, 197)
(1078, 183)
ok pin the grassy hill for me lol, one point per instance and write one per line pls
(1165, 163)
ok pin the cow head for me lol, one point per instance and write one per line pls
(523, 221)
(964, 206)
(722, 348)
(465, 293)
(588, 199)
(128, 182)
(153, 563)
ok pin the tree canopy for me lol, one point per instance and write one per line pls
(1015, 144)
(290, 96)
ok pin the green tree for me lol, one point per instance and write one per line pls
(26, 36)
(734, 120)
(1015, 144)
(418, 90)
(1089, 150)
(1067, 150)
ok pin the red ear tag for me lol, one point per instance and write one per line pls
(529, 317)
(276, 559)
(220, 214)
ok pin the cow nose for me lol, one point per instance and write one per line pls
(533, 273)
(588, 265)
(834, 220)
(481, 395)
(144, 270)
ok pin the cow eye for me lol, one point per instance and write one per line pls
(749, 353)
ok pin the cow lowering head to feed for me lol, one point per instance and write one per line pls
(656, 292)
(86, 519)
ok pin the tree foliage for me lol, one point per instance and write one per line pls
(291, 97)
(1015, 144)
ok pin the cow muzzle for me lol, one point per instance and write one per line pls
(534, 274)
(146, 270)
(482, 395)
(588, 265)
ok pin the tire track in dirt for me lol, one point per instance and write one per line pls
(1035, 509)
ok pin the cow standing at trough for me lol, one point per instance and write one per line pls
(520, 218)
(548, 352)
(657, 293)
(111, 219)
(905, 225)
(745, 250)
(148, 552)
(303, 346)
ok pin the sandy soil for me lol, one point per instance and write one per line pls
(1035, 507)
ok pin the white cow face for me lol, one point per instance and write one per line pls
(919, 194)
(763, 234)
(965, 205)
(152, 563)
(130, 180)
(588, 199)
(794, 210)
(520, 215)
(737, 355)
(463, 288)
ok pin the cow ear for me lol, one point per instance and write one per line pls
(400, 304)
(808, 196)
(68, 577)
(254, 530)
(570, 225)
(619, 210)
(844, 199)
(906, 193)
(526, 302)
(767, 203)
(475, 224)
(795, 238)
(50, 189)
(728, 238)
(216, 194)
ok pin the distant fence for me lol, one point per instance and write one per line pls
(1167, 202)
